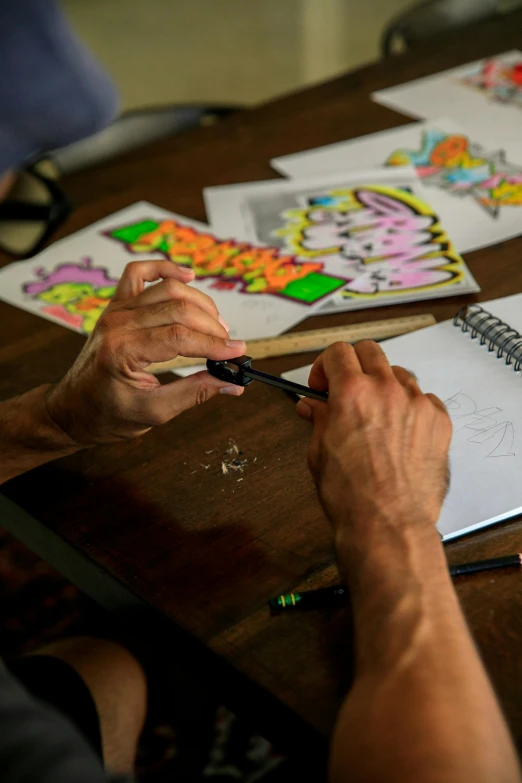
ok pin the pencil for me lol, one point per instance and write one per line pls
(310, 599)
(337, 595)
(485, 565)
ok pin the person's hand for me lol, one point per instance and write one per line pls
(379, 449)
(107, 395)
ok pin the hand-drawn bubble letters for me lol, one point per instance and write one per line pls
(499, 81)
(256, 270)
(74, 293)
(485, 425)
(385, 240)
(457, 165)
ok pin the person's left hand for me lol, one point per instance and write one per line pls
(107, 395)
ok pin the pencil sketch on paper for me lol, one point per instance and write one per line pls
(485, 425)
(383, 240)
(457, 165)
(237, 266)
(499, 81)
(74, 293)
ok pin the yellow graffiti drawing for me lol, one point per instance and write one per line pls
(390, 239)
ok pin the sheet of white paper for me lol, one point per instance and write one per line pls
(252, 210)
(477, 192)
(484, 398)
(184, 371)
(321, 218)
(495, 111)
(299, 375)
(71, 282)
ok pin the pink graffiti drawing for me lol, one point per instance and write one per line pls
(383, 240)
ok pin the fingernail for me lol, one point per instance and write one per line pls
(234, 390)
(223, 323)
(304, 410)
(187, 271)
(241, 344)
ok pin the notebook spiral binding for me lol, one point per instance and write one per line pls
(493, 331)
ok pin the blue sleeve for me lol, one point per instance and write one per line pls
(38, 745)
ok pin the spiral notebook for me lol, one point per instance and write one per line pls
(474, 364)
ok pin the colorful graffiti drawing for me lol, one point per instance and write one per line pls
(501, 82)
(386, 240)
(454, 163)
(75, 294)
(257, 270)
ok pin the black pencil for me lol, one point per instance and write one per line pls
(485, 565)
(309, 599)
(337, 595)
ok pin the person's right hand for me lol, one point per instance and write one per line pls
(379, 449)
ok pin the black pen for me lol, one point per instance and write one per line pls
(337, 595)
(485, 565)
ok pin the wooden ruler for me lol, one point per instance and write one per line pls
(314, 340)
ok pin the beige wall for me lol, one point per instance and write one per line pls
(165, 51)
(341, 34)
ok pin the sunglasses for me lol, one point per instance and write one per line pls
(34, 208)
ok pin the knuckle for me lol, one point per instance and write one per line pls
(369, 350)
(445, 419)
(401, 394)
(390, 385)
(368, 345)
(401, 371)
(178, 333)
(133, 269)
(203, 394)
(112, 319)
(440, 405)
(109, 347)
(423, 405)
(353, 394)
(406, 378)
(211, 304)
(172, 287)
(339, 349)
(181, 307)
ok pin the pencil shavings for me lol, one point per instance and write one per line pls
(231, 462)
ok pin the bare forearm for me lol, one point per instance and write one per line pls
(28, 435)
(421, 707)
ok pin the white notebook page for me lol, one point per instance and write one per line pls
(484, 399)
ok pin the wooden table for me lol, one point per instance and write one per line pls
(191, 555)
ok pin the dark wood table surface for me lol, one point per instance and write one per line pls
(188, 555)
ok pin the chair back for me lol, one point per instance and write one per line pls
(433, 17)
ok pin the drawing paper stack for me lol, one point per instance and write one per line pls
(366, 222)
(468, 181)
(485, 96)
(477, 192)
(260, 290)
(374, 228)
